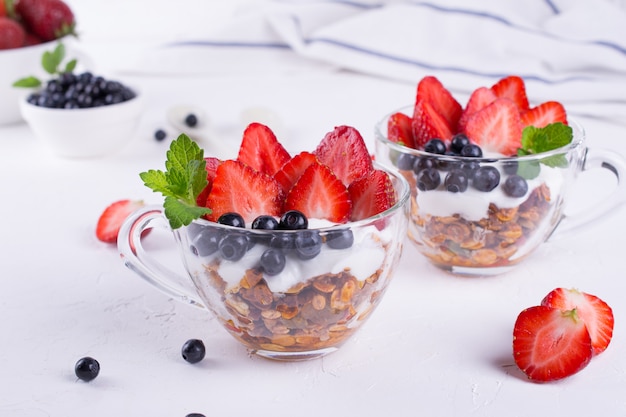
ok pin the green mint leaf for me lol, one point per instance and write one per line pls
(537, 140)
(556, 161)
(528, 169)
(28, 82)
(180, 213)
(181, 183)
(70, 66)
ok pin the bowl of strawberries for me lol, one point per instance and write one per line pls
(291, 253)
(27, 29)
(489, 180)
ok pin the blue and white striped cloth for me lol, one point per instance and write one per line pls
(574, 50)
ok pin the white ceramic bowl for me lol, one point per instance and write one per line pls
(88, 132)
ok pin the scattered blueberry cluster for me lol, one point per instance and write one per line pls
(304, 243)
(77, 91)
(461, 172)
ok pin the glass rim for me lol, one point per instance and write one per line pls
(381, 136)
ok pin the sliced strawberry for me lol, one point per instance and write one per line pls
(550, 344)
(344, 152)
(595, 313)
(261, 150)
(211, 169)
(432, 91)
(293, 169)
(496, 128)
(479, 99)
(371, 195)
(513, 88)
(112, 218)
(319, 194)
(544, 114)
(399, 130)
(428, 124)
(239, 188)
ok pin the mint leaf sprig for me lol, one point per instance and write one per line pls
(51, 62)
(181, 183)
(536, 140)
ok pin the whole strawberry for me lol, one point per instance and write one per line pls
(47, 19)
(12, 35)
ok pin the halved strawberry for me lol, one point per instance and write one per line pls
(113, 216)
(496, 128)
(513, 88)
(345, 153)
(399, 130)
(479, 99)
(211, 169)
(432, 91)
(371, 194)
(293, 169)
(239, 188)
(261, 150)
(429, 124)
(320, 194)
(550, 344)
(544, 114)
(595, 313)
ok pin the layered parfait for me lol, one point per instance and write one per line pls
(291, 252)
(486, 178)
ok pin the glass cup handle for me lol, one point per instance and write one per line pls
(616, 164)
(141, 262)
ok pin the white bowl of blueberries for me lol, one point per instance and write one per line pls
(83, 115)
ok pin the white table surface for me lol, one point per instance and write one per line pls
(438, 345)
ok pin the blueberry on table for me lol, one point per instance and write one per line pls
(191, 120)
(87, 368)
(160, 134)
(193, 350)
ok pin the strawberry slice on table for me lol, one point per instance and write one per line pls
(513, 88)
(496, 128)
(399, 129)
(211, 169)
(371, 194)
(241, 189)
(594, 312)
(319, 194)
(431, 90)
(479, 99)
(545, 114)
(293, 169)
(345, 153)
(261, 150)
(111, 219)
(550, 344)
(429, 124)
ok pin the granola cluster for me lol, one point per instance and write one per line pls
(494, 240)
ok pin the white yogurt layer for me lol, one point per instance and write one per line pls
(362, 259)
(473, 205)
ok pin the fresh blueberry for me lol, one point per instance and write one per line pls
(232, 219)
(423, 163)
(486, 178)
(308, 244)
(456, 181)
(191, 120)
(206, 241)
(510, 167)
(339, 239)
(233, 246)
(273, 261)
(283, 241)
(87, 368)
(447, 164)
(515, 186)
(472, 151)
(265, 222)
(458, 142)
(195, 415)
(293, 220)
(160, 135)
(436, 146)
(405, 161)
(193, 350)
(469, 167)
(428, 179)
